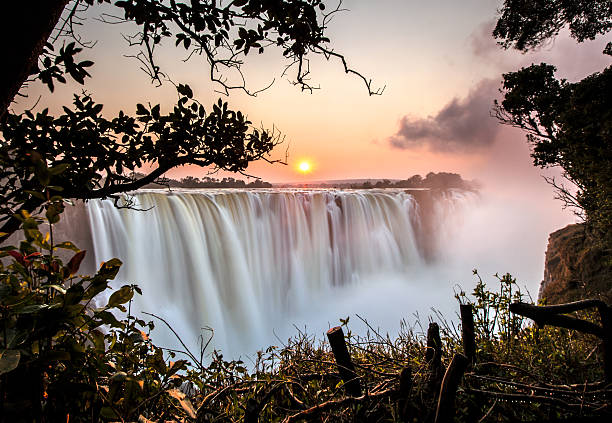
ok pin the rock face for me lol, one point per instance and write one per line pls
(575, 268)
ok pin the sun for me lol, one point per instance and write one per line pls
(304, 166)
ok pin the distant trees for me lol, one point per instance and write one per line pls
(441, 180)
(208, 182)
(568, 124)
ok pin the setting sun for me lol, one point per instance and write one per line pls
(304, 167)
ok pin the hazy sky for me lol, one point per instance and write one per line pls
(440, 66)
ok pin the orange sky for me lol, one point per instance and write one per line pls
(427, 55)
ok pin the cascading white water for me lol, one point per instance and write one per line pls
(243, 261)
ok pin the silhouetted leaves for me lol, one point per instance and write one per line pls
(526, 25)
(568, 125)
(83, 155)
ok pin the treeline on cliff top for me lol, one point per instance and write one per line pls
(205, 182)
(441, 180)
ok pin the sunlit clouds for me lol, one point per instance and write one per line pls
(463, 125)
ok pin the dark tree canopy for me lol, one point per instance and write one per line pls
(223, 33)
(82, 154)
(526, 24)
(568, 125)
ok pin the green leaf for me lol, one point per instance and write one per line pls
(9, 360)
(36, 194)
(122, 296)
(56, 170)
(109, 318)
(109, 269)
(67, 245)
(34, 308)
(74, 295)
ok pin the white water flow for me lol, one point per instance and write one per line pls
(246, 263)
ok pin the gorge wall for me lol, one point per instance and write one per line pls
(575, 268)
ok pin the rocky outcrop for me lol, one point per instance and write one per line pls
(575, 268)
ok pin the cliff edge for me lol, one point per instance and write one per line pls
(575, 268)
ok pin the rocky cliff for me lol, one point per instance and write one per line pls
(575, 268)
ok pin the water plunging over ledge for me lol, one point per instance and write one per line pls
(245, 262)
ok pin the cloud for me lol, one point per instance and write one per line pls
(463, 125)
(482, 42)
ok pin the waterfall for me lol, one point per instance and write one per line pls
(241, 261)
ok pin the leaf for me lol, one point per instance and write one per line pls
(74, 295)
(9, 360)
(56, 170)
(31, 309)
(122, 296)
(58, 288)
(53, 213)
(176, 366)
(185, 90)
(109, 269)
(17, 256)
(135, 381)
(17, 338)
(67, 245)
(36, 194)
(155, 111)
(75, 262)
(109, 318)
(185, 403)
(141, 110)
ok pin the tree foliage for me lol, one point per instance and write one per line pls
(567, 124)
(83, 155)
(525, 25)
(224, 34)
